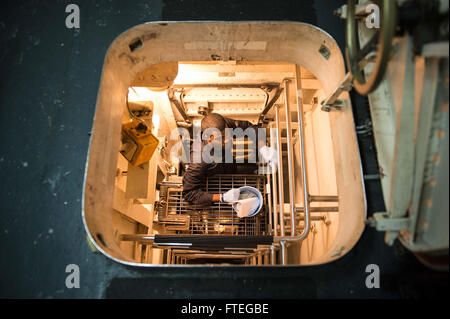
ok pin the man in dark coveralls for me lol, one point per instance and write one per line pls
(196, 173)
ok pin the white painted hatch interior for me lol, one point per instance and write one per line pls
(225, 53)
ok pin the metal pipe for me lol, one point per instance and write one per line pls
(271, 103)
(315, 198)
(272, 255)
(313, 218)
(174, 244)
(267, 98)
(140, 238)
(266, 257)
(283, 252)
(269, 198)
(177, 105)
(290, 157)
(304, 174)
(318, 209)
(274, 190)
(301, 134)
(183, 106)
(280, 168)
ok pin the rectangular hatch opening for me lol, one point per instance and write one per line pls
(179, 95)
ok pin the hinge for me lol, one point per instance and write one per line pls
(392, 226)
(337, 105)
(333, 101)
(383, 222)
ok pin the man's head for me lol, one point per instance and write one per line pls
(215, 121)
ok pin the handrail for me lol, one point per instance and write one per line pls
(143, 238)
(269, 199)
(280, 168)
(306, 197)
(283, 252)
(274, 189)
(290, 156)
(320, 198)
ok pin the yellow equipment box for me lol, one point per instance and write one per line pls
(139, 143)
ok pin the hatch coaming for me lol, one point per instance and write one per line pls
(296, 43)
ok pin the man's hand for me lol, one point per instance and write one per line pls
(231, 196)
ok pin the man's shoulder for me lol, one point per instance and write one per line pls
(201, 165)
(232, 123)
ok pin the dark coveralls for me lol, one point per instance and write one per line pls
(195, 176)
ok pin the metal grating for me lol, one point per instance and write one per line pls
(219, 218)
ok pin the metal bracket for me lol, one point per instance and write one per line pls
(383, 222)
(333, 101)
(337, 105)
(360, 10)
